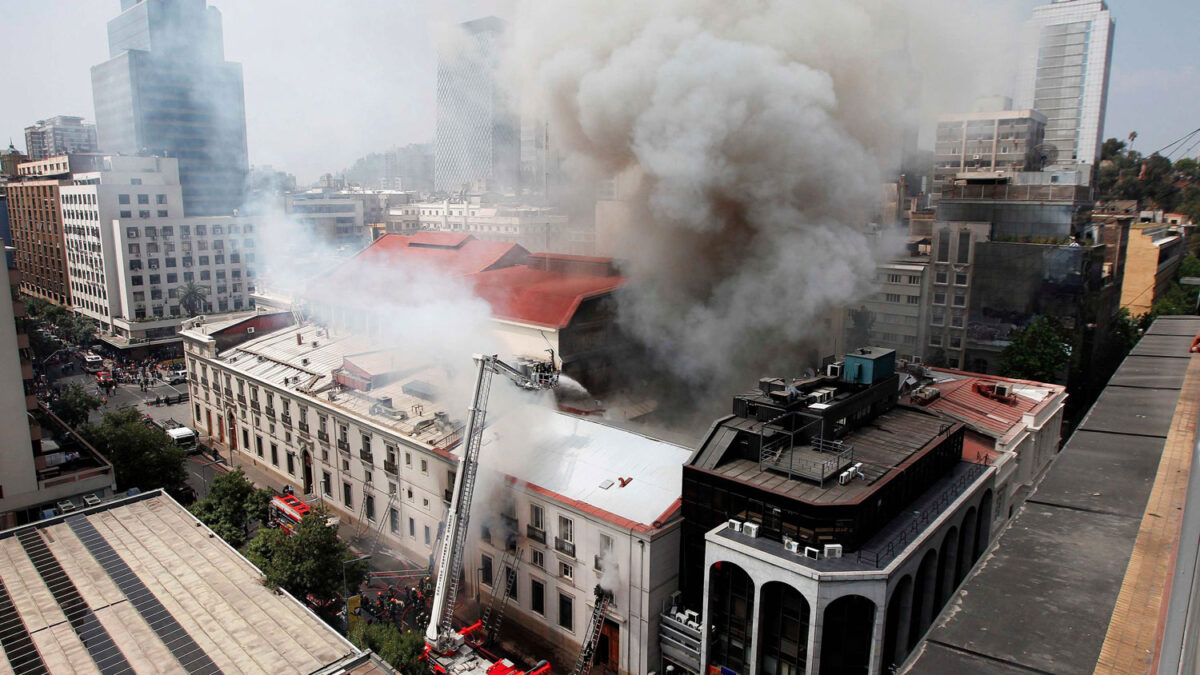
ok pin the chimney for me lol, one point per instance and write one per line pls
(299, 339)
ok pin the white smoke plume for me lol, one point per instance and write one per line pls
(761, 132)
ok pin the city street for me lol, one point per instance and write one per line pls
(126, 395)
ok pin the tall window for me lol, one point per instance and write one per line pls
(394, 520)
(537, 596)
(964, 246)
(347, 497)
(325, 483)
(370, 503)
(485, 570)
(943, 252)
(566, 611)
(566, 529)
(537, 516)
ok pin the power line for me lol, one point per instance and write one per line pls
(1184, 139)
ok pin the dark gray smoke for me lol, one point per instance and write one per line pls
(754, 138)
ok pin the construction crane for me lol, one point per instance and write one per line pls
(446, 648)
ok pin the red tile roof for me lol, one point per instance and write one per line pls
(457, 253)
(540, 297)
(961, 400)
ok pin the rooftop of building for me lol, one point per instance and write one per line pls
(406, 394)
(139, 585)
(1094, 546)
(460, 254)
(625, 478)
(975, 400)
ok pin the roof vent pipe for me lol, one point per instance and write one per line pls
(299, 339)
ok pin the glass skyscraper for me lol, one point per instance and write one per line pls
(478, 135)
(166, 89)
(1064, 75)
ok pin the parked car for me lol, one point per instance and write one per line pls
(177, 377)
(182, 493)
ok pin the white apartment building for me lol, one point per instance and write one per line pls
(533, 227)
(379, 458)
(345, 423)
(130, 247)
(586, 504)
(896, 314)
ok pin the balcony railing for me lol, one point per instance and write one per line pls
(323, 435)
(302, 426)
(270, 412)
(343, 444)
(254, 406)
(389, 467)
(563, 546)
(286, 419)
(536, 534)
(241, 399)
(364, 455)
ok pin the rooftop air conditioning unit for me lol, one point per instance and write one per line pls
(975, 157)
(735, 525)
(833, 550)
(750, 529)
(692, 615)
(834, 370)
(1004, 389)
(810, 552)
(791, 546)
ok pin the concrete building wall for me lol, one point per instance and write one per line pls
(37, 227)
(1151, 259)
(940, 556)
(18, 478)
(898, 310)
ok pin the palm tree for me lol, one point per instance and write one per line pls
(191, 297)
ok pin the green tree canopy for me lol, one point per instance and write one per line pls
(231, 505)
(401, 649)
(142, 456)
(192, 297)
(308, 562)
(1039, 352)
(75, 405)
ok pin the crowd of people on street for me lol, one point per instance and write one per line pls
(406, 608)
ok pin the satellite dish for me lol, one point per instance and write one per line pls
(1045, 154)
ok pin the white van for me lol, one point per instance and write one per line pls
(183, 437)
(92, 363)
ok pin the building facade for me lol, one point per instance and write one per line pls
(130, 251)
(167, 89)
(59, 135)
(1002, 141)
(896, 316)
(1064, 75)
(478, 141)
(10, 159)
(333, 218)
(563, 532)
(535, 228)
(37, 230)
(825, 525)
(1152, 256)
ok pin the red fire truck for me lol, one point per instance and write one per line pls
(286, 512)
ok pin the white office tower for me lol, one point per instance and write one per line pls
(1064, 75)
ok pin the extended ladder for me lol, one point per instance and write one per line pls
(493, 615)
(583, 664)
(384, 518)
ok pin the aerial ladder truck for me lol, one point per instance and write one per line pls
(447, 650)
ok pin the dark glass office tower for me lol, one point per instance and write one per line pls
(167, 89)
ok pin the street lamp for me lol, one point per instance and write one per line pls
(345, 590)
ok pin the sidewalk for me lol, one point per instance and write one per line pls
(383, 559)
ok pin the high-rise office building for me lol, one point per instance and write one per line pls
(478, 135)
(168, 90)
(59, 135)
(1064, 75)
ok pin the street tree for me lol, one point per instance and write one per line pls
(307, 563)
(142, 456)
(192, 297)
(1038, 352)
(74, 405)
(401, 649)
(231, 506)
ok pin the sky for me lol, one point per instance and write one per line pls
(328, 82)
